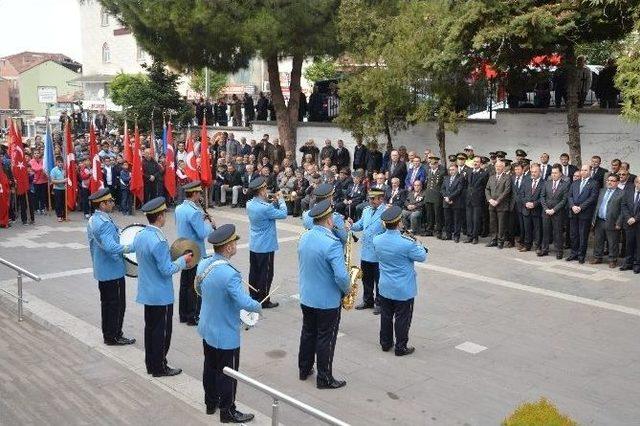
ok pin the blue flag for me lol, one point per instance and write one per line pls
(48, 161)
(164, 139)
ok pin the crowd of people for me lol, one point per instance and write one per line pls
(529, 205)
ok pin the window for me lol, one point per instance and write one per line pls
(140, 54)
(106, 54)
(104, 17)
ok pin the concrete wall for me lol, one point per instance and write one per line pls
(602, 133)
(48, 73)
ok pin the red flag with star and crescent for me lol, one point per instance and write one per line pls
(70, 165)
(191, 168)
(136, 185)
(96, 183)
(170, 164)
(18, 165)
(5, 191)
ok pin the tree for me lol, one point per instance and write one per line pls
(511, 33)
(192, 34)
(217, 81)
(627, 78)
(321, 69)
(144, 96)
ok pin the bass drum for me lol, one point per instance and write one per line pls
(126, 238)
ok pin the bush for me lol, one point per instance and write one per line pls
(541, 413)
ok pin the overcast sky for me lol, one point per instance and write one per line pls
(51, 26)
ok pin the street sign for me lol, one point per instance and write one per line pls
(47, 94)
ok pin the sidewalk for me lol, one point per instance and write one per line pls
(47, 377)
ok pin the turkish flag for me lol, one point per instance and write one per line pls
(205, 164)
(70, 165)
(136, 185)
(127, 145)
(5, 191)
(191, 168)
(170, 164)
(96, 182)
(18, 165)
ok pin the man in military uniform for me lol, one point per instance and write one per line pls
(433, 198)
(108, 267)
(155, 287)
(324, 280)
(223, 296)
(264, 239)
(491, 166)
(190, 224)
(396, 254)
(322, 192)
(520, 155)
(370, 225)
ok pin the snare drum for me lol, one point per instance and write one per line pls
(126, 238)
(249, 319)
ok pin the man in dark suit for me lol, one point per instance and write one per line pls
(412, 213)
(354, 195)
(111, 176)
(631, 226)
(342, 158)
(453, 203)
(475, 200)
(417, 172)
(359, 155)
(582, 202)
(567, 169)
(342, 184)
(607, 222)
(395, 167)
(531, 208)
(597, 173)
(433, 198)
(625, 166)
(518, 179)
(553, 199)
(498, 193)
(395, 194)
(545, 167)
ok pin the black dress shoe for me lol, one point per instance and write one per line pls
(581, 260)
(571, 257)
(626, 267)
(559, 255)
(376, 309)
(167, 372)
(120, 341)
(541, 253)
(492, 243)
(636, 271)
(235, 416)
(364, 306)
(500, 246)
(405, 351)
(475, 241)
(270, 305)
(192, 322)
(211, 409)
(456, 239)
(468, 240)
(330, 384)
(428, 233)
(386, 348)
(439, 236)
(183, 320)
(446, 238)
(303, 375)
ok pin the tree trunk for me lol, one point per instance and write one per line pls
(286, 115)
(441, 137)
(573, 123)
(387, 132)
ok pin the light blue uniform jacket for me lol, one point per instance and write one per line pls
(371, 225)
(223, 296)
(262, 221)
(106, 250)
(155, 268)
(338, 225)
(190, 224)
(397, 254)
(322, 272)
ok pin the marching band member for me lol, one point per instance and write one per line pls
(396, 254)
(370, 225)
(325, 191)
(323, 282)
(108, 267)
(263, 241)
(223, 296)
(191, 224)
(155, 287)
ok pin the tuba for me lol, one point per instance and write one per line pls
(355, 274)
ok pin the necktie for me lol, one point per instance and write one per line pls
(637, 197)
(555, 186)
(603, 207)
(584, 181)
(565, 170)
(533, 187)
(518, 181)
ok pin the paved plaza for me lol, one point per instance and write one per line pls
(492, 328)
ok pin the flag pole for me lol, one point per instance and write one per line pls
(48, 128)
(66, 204)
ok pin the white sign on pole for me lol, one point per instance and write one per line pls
(47, 94)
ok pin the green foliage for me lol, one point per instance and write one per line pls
(541, 413)
(628, 79)
(142, 96)
(321, 69)
(597, 53)
(217, 81)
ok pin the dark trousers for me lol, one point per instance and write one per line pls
(158, 325)
(113, 303)
(189, 301)
(260, 275)
(370, 277)
(58, 196)
(453, 221)
(125, 201)
(552, 231)
(42, 196)
(497, 224)
(219, 389)
(601, 235)
(474, 221)
(433, 217)
(318, 340)
(579, 230)
(632, 234)
(84, 200)
(150, 191)
(26, 204)
(532, 230)
(395, 315)
(517, 225)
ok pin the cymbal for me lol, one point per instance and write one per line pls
(182, 246)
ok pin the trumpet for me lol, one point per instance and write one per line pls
(273, 196)
(409, 234)
(206, 213)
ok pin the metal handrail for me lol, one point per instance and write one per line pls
(279, 396)
(21, 271)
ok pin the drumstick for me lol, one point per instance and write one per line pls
(269, 295)
(251, 287)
